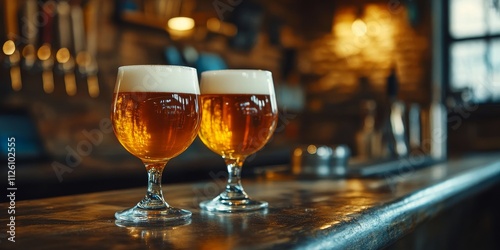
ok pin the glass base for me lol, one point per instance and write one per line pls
(137, 216)
(226, 205)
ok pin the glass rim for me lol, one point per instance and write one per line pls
(138, 66)
(234, 71)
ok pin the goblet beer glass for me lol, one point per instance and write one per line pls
(239, 115)
(156, 116)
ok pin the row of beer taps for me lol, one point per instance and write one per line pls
(52, 36)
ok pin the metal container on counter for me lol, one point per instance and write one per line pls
(320, 160)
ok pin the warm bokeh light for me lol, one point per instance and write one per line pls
(48, 81)
(213, 24)
(181, 23)
(63, 55)
(9, 47)
(311, 149)
(44, 52)
(217, 26)
(93, 86)
(358, 27)
(367, 41)
(70, 84)
(83, 58)
(29, 51)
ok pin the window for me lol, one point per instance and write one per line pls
(474, 48)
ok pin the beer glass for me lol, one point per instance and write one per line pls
(239, 115)
(156, 116)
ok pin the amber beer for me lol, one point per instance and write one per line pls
(238, 116)
(236, 125)
(156, 113)
(157, 125)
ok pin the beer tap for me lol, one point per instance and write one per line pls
(67, 64)
(30, 31)
(398, 128)
(63, 55)
(14, 57)
(88, 67)
(394, 129)
(415, 127)
(85, 59)
(47, 62)
(44, 53)
(9, 47)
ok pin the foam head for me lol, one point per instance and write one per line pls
(237, 81)
(157, 78)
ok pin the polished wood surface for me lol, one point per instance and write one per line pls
(321, 214)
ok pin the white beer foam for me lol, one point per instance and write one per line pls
(157, 78)
(237, 81)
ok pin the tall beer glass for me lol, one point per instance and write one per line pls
(239, 115)
(156, 116)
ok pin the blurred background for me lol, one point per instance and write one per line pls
(340, 68)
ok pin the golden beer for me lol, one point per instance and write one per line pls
(236, 125)
(155, 126)
(239, 115)
(155, 114)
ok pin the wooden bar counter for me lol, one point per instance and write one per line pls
(350, 213)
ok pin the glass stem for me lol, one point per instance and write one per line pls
(154, 195)
(234, 190)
